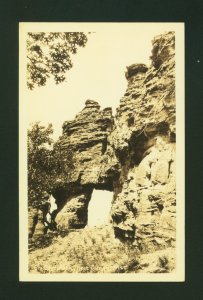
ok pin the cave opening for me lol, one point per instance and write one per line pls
(99, 208)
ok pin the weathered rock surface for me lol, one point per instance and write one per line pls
(131, 154)
(74, 212)
(146, 206)
(87, 137)
(144, 143)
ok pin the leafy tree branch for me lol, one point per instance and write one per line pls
(49, 54)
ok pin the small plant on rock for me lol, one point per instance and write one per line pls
(163, 264)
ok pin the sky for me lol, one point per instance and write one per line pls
(98, 73)
(99, 208)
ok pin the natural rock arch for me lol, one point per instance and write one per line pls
(131, 154)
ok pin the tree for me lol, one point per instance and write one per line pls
(49, 54)
(48, 166)
(39, 161)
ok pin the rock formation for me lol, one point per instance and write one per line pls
(144, 142)
(131, 154)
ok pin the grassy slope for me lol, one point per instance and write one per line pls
(95, 250)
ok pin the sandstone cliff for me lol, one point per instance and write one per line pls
(144, 142)
(131, 154)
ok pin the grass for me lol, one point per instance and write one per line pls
(163, 264)
(90, 250)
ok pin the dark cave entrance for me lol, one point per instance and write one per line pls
(99, 208)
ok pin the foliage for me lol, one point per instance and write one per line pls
(49, 54)
(163, 264)
(46, 165)
(95, 250)
(90, 250)
(39, 158)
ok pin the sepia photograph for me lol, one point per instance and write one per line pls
(101, 152)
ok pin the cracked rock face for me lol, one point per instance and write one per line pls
(74, 212)
(87, 137)
(145, 208)
(144, 143)
(131, 154)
